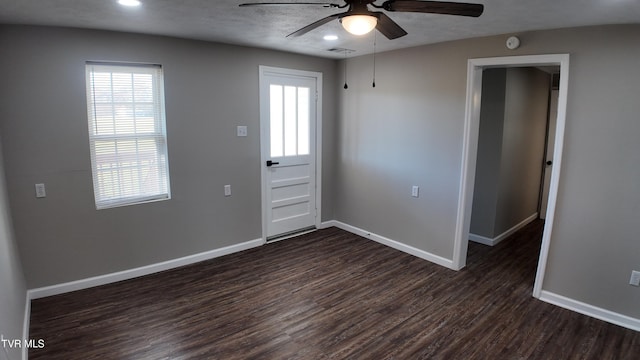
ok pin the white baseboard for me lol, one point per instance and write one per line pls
(549, 297)
(140, 271)
(481, 239)
(491, 242)
(174, 263)
(558, 300)
(327, 224)
(392, 243)
(590, 310)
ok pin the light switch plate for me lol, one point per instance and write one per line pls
(241, 131)
(415, 191)
(635, 278)
(227, 190)
(40, 191)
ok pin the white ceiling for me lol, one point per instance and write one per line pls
(267, 27)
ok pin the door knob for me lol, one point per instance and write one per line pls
(269, 163)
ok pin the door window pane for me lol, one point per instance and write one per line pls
(289, 120)
(276, 120)
(303, 121)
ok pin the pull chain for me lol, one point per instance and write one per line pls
(374, 59)
(345, 70)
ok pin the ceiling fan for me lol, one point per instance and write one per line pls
(359, 20)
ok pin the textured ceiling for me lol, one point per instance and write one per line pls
(267, 27)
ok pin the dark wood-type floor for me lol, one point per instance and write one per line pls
(329, 295)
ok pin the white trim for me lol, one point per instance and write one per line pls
(318, 149)
(328, 224)
(26, 324)
(590, 310)
(470, 150)
(140, 271)
(555, 174)
(262, 70)
(492, 242)
(481, 239)
(393, 244)
(467, 172)
(546, 296)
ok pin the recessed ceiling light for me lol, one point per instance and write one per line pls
(330, 37)
(129, 2)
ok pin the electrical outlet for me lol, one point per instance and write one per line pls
(415, 191)
(241, 131)
(635, 278)
(227, 190)
(40, 191)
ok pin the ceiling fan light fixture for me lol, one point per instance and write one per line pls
(130, 3)
(359, 24)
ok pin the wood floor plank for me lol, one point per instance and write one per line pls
(328, 295)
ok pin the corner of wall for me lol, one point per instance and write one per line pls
(26, 323)
(12, 281)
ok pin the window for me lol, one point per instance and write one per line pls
(127, 134)
(289, 120)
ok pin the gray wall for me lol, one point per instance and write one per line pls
(209, 90)
(487, 184)
(409, 130)
(510, 149)
(406, 131)
(13, 290)
(525, 125)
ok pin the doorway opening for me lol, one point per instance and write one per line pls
(475, 71)
(513, 165)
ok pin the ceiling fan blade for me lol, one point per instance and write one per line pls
(289, 3)
(316, 24)
(388, 27)
(434, 7)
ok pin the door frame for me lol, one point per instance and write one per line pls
(470, 151)
(264, 70)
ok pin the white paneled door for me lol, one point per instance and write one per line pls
(288, 116)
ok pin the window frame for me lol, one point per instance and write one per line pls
(158, 136)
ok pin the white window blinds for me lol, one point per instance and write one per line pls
(127, 134)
